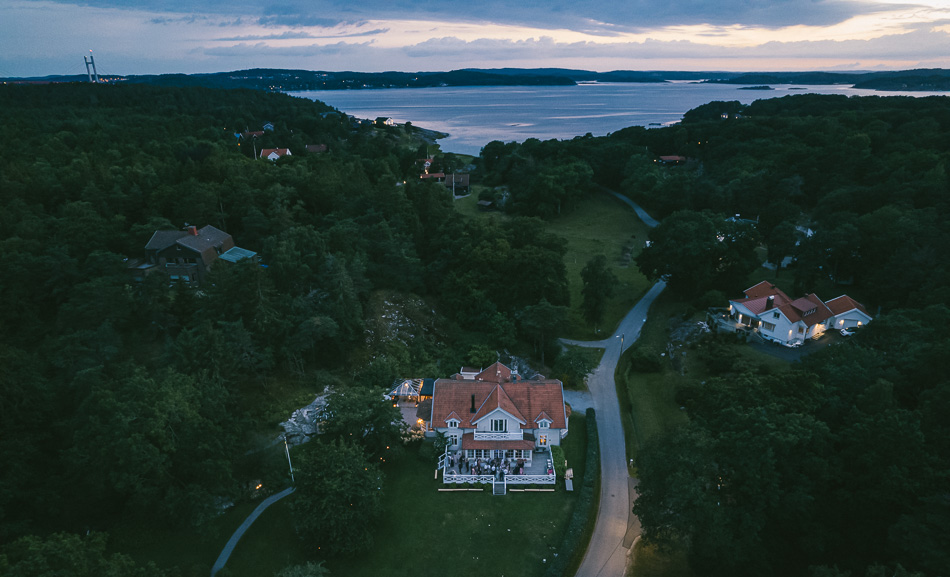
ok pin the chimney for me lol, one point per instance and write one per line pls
(770, 302)
(472, 410)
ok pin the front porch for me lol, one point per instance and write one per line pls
(504, 466)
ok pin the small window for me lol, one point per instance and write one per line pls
(542, 440)
(544, 425)
(768, 326)
(774, 315)
(499, 425)
(801, 330)
(453, 424)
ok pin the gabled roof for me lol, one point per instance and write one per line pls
(765, 288)
(809, 309)
(453, 415)
(497, 372)
(473, 400)
(266, 152)
(163, 239)
(542, 416)
(843, 304)
(498, 399)
(209, 242)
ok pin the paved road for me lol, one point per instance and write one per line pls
(646, 218)
(616, 526)
(233, 541)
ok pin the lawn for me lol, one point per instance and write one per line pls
(649, 562)
(602, 225)
(599, 225)
(427, 532)
(191, 550)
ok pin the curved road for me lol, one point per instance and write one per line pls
(616, 526)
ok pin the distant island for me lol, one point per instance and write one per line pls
(281, 80)
(930, 79)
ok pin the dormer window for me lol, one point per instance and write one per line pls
(499, 425)
(452, 423)
(544, 425)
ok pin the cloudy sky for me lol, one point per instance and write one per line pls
(43, 37)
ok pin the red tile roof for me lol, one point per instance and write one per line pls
(498, 373)
(498, 399)
(265, 152)
(519, 398)
(756, 300)
(765, 288)
(469, 442)
(843, 304)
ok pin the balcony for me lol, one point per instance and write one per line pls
(493, 436)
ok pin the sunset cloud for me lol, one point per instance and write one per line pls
(155, 36)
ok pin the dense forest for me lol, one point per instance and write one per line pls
(127, 400)
(840, 464)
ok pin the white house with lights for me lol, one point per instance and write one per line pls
(497, 414)
(777, 317)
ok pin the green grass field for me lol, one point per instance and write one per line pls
(599, 225)
(650, 562)
(427, 532)
(602, 225)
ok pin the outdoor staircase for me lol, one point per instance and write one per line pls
(499, 485)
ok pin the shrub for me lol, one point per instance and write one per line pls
(582, 521)
(557, 455)
(645, 360)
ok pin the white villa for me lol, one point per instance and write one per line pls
(779, 318)
(494, 416)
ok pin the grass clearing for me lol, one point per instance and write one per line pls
(650, 562)
(462, 533)
(599, 225)
(602, 225)
(191, 550)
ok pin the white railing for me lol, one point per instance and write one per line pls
(450, 477)
(490, 436)
(529, 479)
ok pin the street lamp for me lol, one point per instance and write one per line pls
(287, 451)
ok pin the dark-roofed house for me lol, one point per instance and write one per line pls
(497, 415)
(187, 255)
(776, 317)
(457, 183)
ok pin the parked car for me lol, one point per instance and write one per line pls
(846, 332)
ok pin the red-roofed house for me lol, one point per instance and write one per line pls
(496, 414)
(275, 153)
(776, 317)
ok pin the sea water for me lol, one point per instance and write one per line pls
(474, 116)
